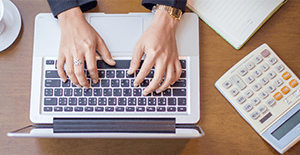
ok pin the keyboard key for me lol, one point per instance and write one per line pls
(161, 101)
(130, 109)
(120, 73)
(254, 115)
(109, 109)
(68, 109)
(256, 87)
(161, 109)
(150, 109)
(49, 62)
(156, 94)
(78, 92)
(142, 101)
(257, 73)
(58, 109)
(255, 101)
(271, 75)
(151, 101)
(101, 73)
(51, 74)
(243, 71)
(112, 101)
(137, 92)
(264, 67)
(286, 75)
(131, 101)
(110, 74)
(264, 81)
(265, 53)
(183, 74)
(171, 101)
(271, 88)
(250, 65)
(72, 101)
(95, 84)
(122, 101)
(92, 101)
(263, 109)
(115, 83)
(233, 92)
(181, 109)
(240, 99)
(127, 92)
(279, 68)
(248, 107)
(125, 83)
(129, 76)
(257, 59)
(82, 101)
(171, 109)
(183, 64)
(102, 101)
(120, 109)
(167, 92)
(107, 92)
(145, 83)
(48, 92)
(179, 92)
(68, 91)
(52, 83)
(248, 93)
(249, 79)
(117, 92)
(263, 94)
(285, 90)
(238, 82)
(99, 109)
(179, 83)
(278, 82)
(62, 101)
(78, 109)
(181, 101)
(227, 84)
(50, 101)
(58, 92)
(105, 83)
(293, 83)
(89, 109)
(47, 109)
(270, 102)
(140, 109)
(65, 84)
(88, 92)
(277, 96)
(97, 92)
(272, 60)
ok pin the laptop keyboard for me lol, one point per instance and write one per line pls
(114, 93)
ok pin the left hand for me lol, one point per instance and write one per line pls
(158, 43)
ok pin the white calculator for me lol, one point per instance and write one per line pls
(266, 93)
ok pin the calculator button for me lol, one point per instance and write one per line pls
(257, 73)
(296, 93)
(249, 79)
(256, 87)
(255, 101)
(277, 96)
(234, 92)
(227, 84)
(279, 68)
(250, 65)
(293, 83)
(238, 82)
(264, 67)
(271, 75)
(265, 53)
(270, 102)
(271, 88)
(242, 71)
(263, 109)
(254, 115)
(263, 94)
(278, 82)
(272, 61)
(285, 90)
(248, 107)
(286, 75)
(264, 81)
(241, 100)
(248, 93)
(257, 59)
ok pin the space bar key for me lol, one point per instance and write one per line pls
(238, 82)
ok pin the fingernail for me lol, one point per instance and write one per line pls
(135, 84)
(64, 80)
(129, 70)
(79, 86)
(95, 81)
(158, 91)
(145, 93)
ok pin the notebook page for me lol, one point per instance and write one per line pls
(235, 20)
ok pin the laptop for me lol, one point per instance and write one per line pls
(113, 108)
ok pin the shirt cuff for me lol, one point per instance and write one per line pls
(180, 4)
(59, 6)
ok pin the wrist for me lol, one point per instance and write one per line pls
(70, 15)
(164, 18)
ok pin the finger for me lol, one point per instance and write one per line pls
(60, 68)
(159, 72)
(136, 59)
(178, 71)
(104, 52)
(79, 71)
(169, 78)
(91, 64)
(144, 71)
(70, 71)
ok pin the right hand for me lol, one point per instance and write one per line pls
(80, 41)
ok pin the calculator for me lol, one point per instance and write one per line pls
(266, 93)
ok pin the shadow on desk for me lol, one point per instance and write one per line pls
(112, 146)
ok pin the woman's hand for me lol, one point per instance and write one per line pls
(79, 41)
(159, 45)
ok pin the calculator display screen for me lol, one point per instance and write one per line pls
(287, 126)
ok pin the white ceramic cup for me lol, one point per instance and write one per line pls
(2, 23)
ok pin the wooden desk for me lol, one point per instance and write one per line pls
(226, 132)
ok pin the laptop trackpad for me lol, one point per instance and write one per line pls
(120, 33)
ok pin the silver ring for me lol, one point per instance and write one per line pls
(77, 62)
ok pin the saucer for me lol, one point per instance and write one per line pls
(12, 19)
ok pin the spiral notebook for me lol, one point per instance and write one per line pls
(235, 20)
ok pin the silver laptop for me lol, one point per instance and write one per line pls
(113, 108)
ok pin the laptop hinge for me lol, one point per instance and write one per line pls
(132, 125)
